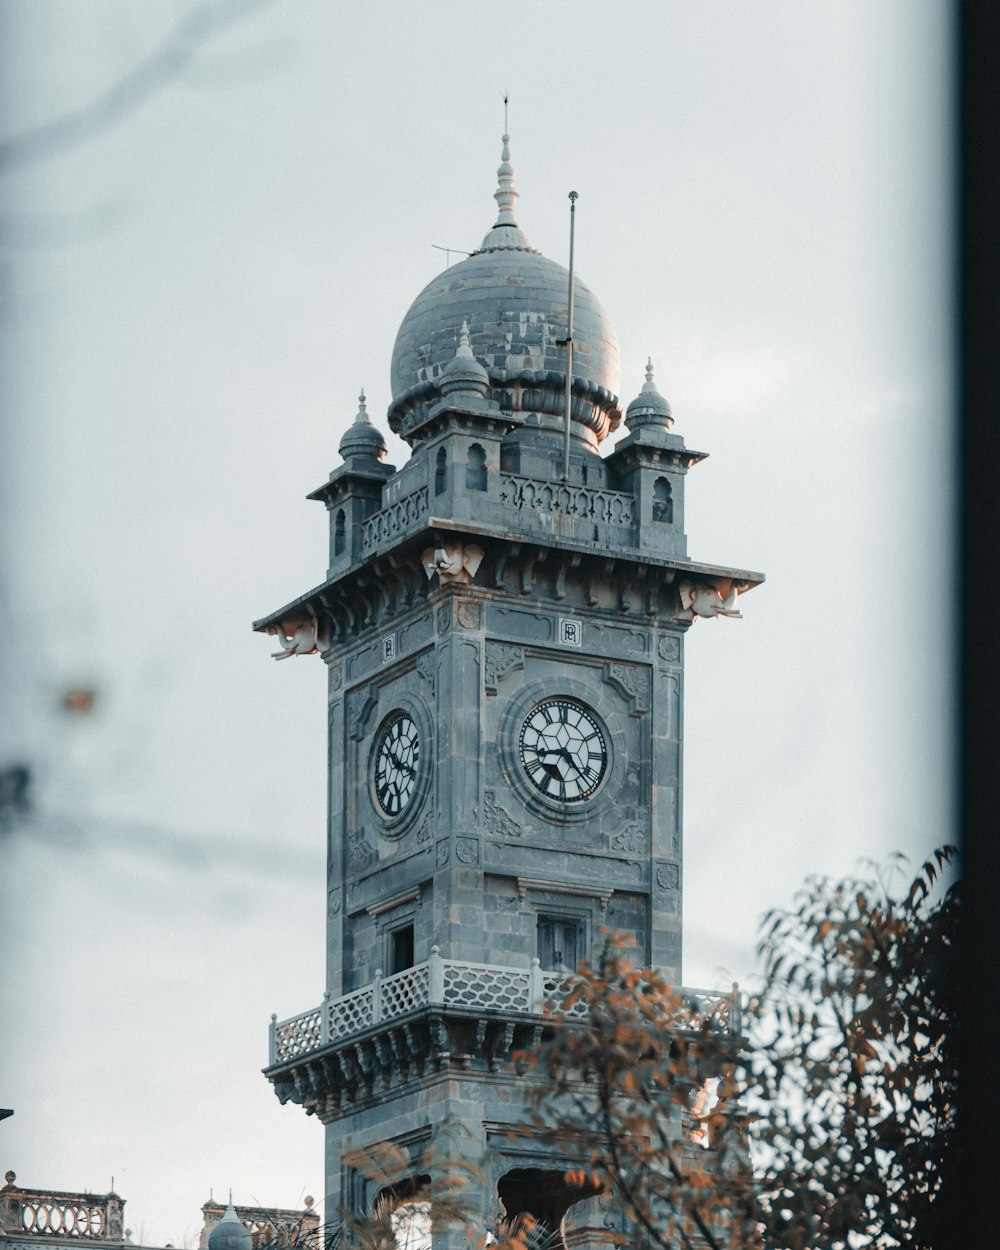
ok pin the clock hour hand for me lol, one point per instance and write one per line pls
(407, 768)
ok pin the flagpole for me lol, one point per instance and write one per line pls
(569, 336)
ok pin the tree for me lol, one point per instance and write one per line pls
(848, 1079)
(827, 1128)
(853, 1064)
(639, 1080)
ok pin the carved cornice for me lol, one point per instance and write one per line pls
(350, 1076)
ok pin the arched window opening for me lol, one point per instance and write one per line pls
(475, 471)
(441, 472)
(339, 533)
(536, 1200)
(408, 1208)
(663, 504)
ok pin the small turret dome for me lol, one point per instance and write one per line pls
(514, 302)
(230, 1233)
(361, 437)
(463, 374)
(649, 407)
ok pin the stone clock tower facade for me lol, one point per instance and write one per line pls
(504, 650)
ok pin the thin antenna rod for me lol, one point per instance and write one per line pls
(569, 335)
(448, 251)
(505, 126)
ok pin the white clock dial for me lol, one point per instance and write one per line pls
(395, 764)
(563, 750)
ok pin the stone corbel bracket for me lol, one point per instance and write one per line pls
(710, 597)
(455, 564)
(300, 636)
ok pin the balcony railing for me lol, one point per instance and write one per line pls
(456, 984)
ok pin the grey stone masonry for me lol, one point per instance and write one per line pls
(505, 676)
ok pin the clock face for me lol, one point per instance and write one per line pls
(563, 750)
(395, 763)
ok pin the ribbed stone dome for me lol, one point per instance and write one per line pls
(514, 301)
(649, 408)
(361, 438)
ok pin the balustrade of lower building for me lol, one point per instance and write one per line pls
(45, 1214)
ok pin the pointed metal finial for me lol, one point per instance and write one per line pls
(649, 386)
(464, 345)
(362, 417)
(505, 195)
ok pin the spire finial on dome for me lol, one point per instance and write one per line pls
(463, 373)
(505, 195)
(649, 408)
(362, 438)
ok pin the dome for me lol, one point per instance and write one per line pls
(649, 407)
(514, 301)
(463, 374)
(361, 438)
(230, 1233)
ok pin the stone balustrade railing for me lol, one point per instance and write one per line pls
(394, 521)
(583, 503)
(456, 984)
(47, 1213)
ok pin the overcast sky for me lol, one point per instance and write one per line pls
(191, 301)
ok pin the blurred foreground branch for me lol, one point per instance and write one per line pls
(130, 92)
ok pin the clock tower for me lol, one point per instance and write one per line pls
(504, 649)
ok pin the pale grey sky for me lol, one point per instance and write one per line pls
(191, 304)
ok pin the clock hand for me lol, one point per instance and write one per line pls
(399, 763)
(575, 766)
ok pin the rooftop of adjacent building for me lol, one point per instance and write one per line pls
(30, 1216)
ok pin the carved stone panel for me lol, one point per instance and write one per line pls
(467, 850)
(360, 853)
(634, 682)
(414, 634)
(631, 840)
(668, 648)
(668, 875)
(499, 822)
(360, 705)
(620, 638)
(427, 667)
(469, 615)
(520, 623)
(364, 661)
(501, 658)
